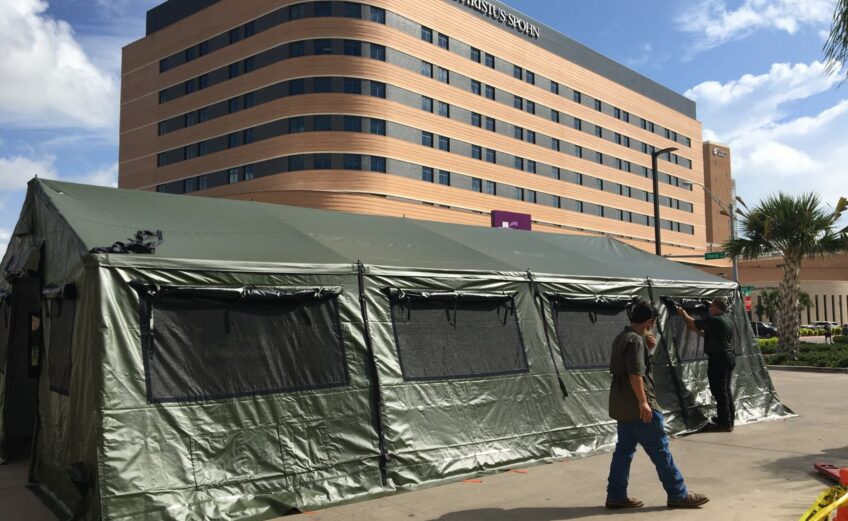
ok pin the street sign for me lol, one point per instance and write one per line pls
(714, 255)
(746, 290)
(748, 303)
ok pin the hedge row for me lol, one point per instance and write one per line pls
(819, 331)
(811, 355)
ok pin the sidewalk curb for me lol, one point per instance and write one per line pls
(806, 369)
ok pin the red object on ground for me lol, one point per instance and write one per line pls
(827, 470)
(842, 512)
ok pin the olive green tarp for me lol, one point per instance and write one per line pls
(268, 358)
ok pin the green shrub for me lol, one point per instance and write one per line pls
(778, 359)
(840, 339)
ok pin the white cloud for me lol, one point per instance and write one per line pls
(48, 81)
(772, 148)
(5, 235)
(713, 23)
(107, 176)
(17, 170)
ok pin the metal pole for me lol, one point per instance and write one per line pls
(656, 204)
(654, 155)
(732, 212)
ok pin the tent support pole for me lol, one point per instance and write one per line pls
(375, 386)
(537, 295)
(675, 378)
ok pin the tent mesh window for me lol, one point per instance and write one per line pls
(61, 323)
(586, 330)
(205, 347)
(457, 336)
(690, 346)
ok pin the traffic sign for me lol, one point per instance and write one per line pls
(748, 303)
(746, 290)
(714, 255)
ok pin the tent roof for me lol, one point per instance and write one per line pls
(220, 229)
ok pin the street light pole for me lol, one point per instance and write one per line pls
(728, 209)
(654, 155)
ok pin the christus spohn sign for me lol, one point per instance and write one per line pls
(503, 16)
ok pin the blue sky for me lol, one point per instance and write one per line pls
(753, 66)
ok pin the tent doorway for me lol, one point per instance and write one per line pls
(22, 367)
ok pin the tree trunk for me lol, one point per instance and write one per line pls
(788, 308)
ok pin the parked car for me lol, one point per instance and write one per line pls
(821, 324)
(764, 330)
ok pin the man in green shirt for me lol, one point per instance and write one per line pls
(633, 403)
(718, 346)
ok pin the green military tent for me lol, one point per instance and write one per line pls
(235, 359)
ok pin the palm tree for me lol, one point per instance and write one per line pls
(836, 47)
(794, 228)
(770, 300)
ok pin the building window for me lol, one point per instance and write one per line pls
(554, 87)
(444, 75)
(476, 119)
(189, 185)
(296, 163)
(249, 173)
(491, 156)
(426, 104)
(202, 115)
(324, 46)
(476, 184)
(476, 152)
(517, 72)
(163, 127)
(249, 29)
(163, 66)
(297, 11)
(577, 96)
(518, 102)
(234, 35)
(233, 175)
(249, 64)
(233, 140)
(518, 133)
(476, 88)
(352, 124)
(531, 167)
(352, 48)
(297, 87)
(378, 52)
(490, 61)
(599, 106)
(352, 162)
(189, 152)
(352, 86)
(426, 34)
(188, 87)
(322, 84)
(352, 10)
(519, 163)
(378, 127)
(616, 113)
(519, 194)
(531, 107)
(203, 81)
(555, 144)
(427, 69)
(249, 100)
(378, 164)
(378, 15)
(491, 188)
(490, 92)
(378, 89)
(202, 182)
(427, 174)
(490, 124)
(617, 138)
(297, 49)
(323, 9)
(554, 116)
(427, 139)
(444, 41)
(599, 157)
(578, 151)
(578, 124)
(444, 177)
(444, 143)
(531, 137)
(188, 119)
(322, 161)
(599, 132)
(475, 55)
(530, 196)
(322, 123)
(530, 77)
(555, 172)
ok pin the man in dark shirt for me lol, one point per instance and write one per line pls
(718, 346)
(632, 402)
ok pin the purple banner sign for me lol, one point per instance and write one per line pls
(511, 220)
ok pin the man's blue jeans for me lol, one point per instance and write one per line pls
(651, 436)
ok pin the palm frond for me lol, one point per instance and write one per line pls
(836, 47)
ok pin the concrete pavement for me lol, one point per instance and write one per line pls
(758, 472)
